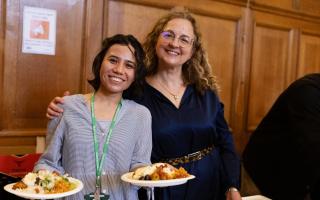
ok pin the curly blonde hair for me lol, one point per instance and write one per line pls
(197, 69)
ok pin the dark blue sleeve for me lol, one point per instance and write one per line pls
(230, 160)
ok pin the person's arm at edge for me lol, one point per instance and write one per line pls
(229, 156)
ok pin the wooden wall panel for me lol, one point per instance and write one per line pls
(268, 71)
(309, 59)
(31, 80)
(289, 33)
(2, 30)
(219, 38)
(17, 145)
(93, 35)
(283, 4)
(305, 9)
(309, 6)
(127, 18)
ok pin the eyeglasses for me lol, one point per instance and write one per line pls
(183, 40)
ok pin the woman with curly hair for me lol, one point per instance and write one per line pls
(188, 125)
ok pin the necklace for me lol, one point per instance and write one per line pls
(176, 97)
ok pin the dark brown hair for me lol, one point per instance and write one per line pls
(127, 40)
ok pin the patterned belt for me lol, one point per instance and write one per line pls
(190, 157)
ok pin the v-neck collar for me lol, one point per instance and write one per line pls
(186, 93)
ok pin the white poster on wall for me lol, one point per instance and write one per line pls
(39, 31)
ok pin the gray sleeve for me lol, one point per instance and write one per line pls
(51, 127)
(51, 158)
(143, 146)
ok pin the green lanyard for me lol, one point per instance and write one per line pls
(106, 143)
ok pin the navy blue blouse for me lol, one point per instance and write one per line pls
(197, 124)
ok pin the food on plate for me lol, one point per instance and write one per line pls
(159, 171)
(19, 185)
(44, 182)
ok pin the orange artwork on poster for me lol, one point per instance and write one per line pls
(39, 29)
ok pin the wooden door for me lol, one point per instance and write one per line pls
(309, 51)
(270, 54)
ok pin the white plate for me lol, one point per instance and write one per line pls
(127, 177)
(255, 197)
(20, 193)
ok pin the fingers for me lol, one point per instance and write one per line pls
(233, 195)
(53, 106)
(51, 114)
(56, 101)
(53, 109)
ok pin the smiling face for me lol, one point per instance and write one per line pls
(118, 69)
(175, 50)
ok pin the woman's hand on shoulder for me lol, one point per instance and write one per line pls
(233, 194)
(53, 109)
